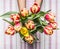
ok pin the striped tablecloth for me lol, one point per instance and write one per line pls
(15, 42)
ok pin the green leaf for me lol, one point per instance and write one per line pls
(41, 22)
(35, 37)
(42, 13)
(32, 16)
(33, 31)
(21, 35)
(44, 23)
(48, 11)
(23, 20)
(7, 15)
(40, 29)
(9, 22)
(37, 16)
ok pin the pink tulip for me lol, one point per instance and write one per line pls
(18, 26)
(48, 30)
(50, 17)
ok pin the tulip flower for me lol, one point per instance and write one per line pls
(24, 31)
(18, 26)
(29, 39)
(48, 30)
(10, 30)
(30, 24)
(15, 18)
(35, 8)
(50, 17)
(53, 25)
(24, 12)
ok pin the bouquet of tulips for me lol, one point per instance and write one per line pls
(27, 23)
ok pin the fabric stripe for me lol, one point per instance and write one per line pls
(21, 45)
(24, 45)
(50, 36)
(10, 36)
(4, 28)
(44, 35)
(57, 24)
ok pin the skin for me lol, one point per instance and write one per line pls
(38, 1)
(22, 3)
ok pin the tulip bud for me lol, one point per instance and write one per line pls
(10, 30)
(49, 17)
(48, 30)
(15, 18)
(35, 8)
(24, 31)
(53, 25)
(30, 24)
(18, 26)
(24, 12)
(29, 39)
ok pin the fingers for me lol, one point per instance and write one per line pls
(21, 4)
(39, 2)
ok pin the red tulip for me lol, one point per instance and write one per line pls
(18, 26)
(29, 39)
(10, 30)
(48, 30)
(35, 8)
(15, 18)
(49, 17)
(53, 25)
(30, 24)
(24, 12)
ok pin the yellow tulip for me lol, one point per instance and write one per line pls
(24, 31)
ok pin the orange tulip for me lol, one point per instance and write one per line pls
(29, 39)
(35, 8)
(30, 24)
(10, 30)
(24, 12)
(15, 18)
